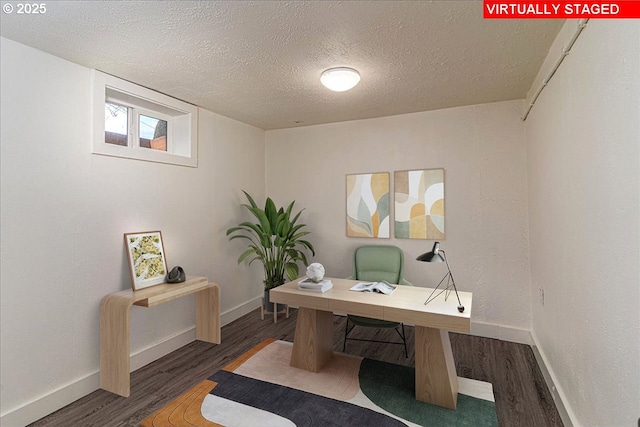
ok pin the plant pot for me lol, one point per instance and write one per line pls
(268, 305)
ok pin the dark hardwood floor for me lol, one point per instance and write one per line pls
(521, 395)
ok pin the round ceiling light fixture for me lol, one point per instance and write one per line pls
(340, 79)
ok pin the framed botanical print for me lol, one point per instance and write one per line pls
(147, 262)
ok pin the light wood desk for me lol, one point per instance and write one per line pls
(115, 324)
(436, 379)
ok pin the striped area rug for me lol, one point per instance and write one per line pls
(261, 389)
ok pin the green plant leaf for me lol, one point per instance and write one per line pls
(247, 227)
(233, 230)
(254, 259)
(303, 258)
(271, 213)
(286, 227)
(291, 269)
(295, 218)
(290, 208)
(262, 217)
(253, 203)
(246, 254)
(280, 222)
(295, 228)
(299, 235)
(242, 236)
(308, 245)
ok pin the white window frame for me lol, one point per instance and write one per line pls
(181, 118)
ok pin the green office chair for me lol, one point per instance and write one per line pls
(375, 264)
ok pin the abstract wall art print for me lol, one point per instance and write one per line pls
(419, 204)
(147, 263)
(368, 205)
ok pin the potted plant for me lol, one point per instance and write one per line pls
(276, 240)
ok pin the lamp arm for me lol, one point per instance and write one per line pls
(444, 255)
(431, 297)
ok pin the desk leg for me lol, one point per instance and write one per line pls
(114, 345)
(436, 379)
(208, 315)
(313, 340)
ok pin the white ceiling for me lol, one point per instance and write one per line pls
(260, 62)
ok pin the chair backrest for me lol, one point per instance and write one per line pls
(378, 263)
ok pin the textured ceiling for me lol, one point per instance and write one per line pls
(260, 62)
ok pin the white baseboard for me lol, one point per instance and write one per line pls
(558, 395)
(52, 401)
(500, 332)
(240, 310)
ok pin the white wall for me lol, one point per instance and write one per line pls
(482, 150)
(64, 211)
(583, 139)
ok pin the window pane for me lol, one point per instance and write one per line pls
(116, 124)
(153, 133)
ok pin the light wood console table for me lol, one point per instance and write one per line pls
(115, 324)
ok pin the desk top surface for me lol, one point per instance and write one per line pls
(405, 304)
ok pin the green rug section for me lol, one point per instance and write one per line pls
(392, 387)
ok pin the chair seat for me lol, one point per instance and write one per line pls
(372, 323)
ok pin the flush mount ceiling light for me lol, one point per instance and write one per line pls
(340, 79)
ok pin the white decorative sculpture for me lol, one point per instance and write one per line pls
(315, 271)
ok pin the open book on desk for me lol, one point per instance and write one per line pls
(380, 287)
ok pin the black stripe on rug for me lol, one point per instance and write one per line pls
(302, 408)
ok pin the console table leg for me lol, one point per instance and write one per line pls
(436, 379)
(208, 315)
(114, 345)
(313, 340)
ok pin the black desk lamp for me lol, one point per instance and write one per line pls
(438, 255)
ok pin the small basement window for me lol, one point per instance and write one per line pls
(137, 123)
